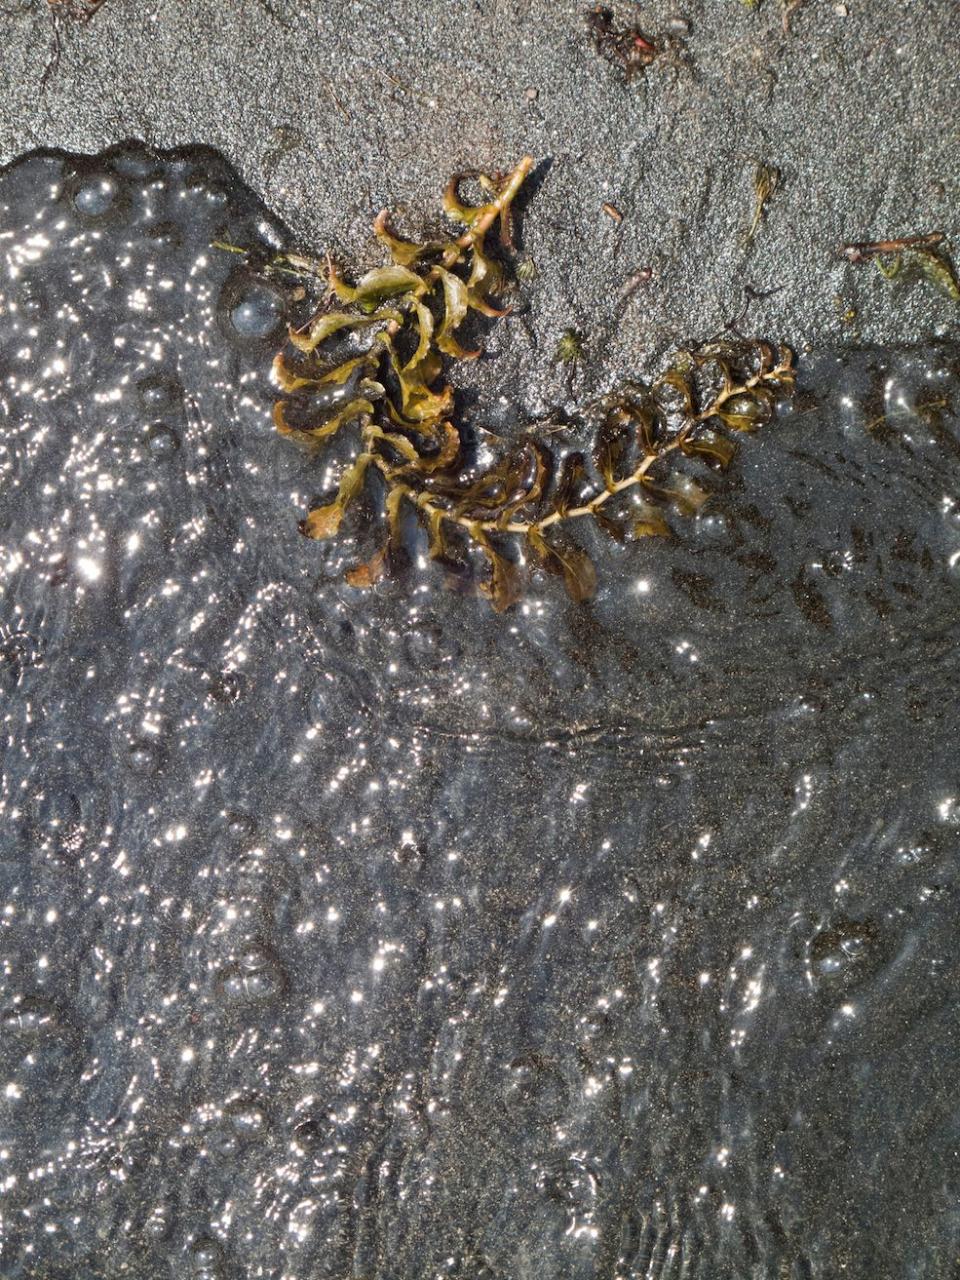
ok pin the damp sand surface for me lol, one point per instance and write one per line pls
(333, 111)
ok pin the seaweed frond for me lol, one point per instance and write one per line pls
(927, 255)
(374, 367)
(766, 179)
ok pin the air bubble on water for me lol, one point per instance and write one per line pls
(253, 309)
(159, 394)
(225, 687)
(246, 1118)
(96, 195)
(842, 952)
(309, 1135)
(144, 756)
(239, 826)
(206, 1258)
(255, 976)
(162, 442)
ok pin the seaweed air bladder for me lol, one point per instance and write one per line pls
(491, 527)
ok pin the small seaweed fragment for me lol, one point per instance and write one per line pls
(847, 314)
(766, 179)
(526, 270)
(628, 48)
(569, 347)
(927, 253)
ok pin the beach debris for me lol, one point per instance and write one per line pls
(766, 179)
(928, 253)
(368, 368)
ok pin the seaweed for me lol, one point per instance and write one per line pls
(369, 364)
(569, 347)
(628, 48)
(927, 255)
(766, 179)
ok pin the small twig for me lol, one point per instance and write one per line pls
(59, 10)
(863, 250)
(633, 282)
(733, 324)
(336, 101)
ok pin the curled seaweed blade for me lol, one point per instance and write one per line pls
(610, 449)
(746, 412)
(324, 522)
(377, 285)
(446, 438)
(647, 428)
(677, 379)
(939, 269)
(484, 278)
(566, 561)
(504, 587)
(453, 206)
(529, 482)
(456, 303)
(425, 341)
(325, 326)
(403, 252)
(686, 495)
(709, 445)
(369, 572)
(402, 444)
(287, 380)
(613, 528)
(570, 481)
(504, 190)
(417, 402)
(290, 381)
(342, 373)
(324, 430)
(649, 522)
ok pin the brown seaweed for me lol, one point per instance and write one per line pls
(489, 525)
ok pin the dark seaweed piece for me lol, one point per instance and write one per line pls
(928, 253)
(766, 179)
(627, 48)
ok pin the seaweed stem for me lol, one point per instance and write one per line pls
(502, 200)
(864, 249)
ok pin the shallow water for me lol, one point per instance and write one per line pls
(374, 935)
